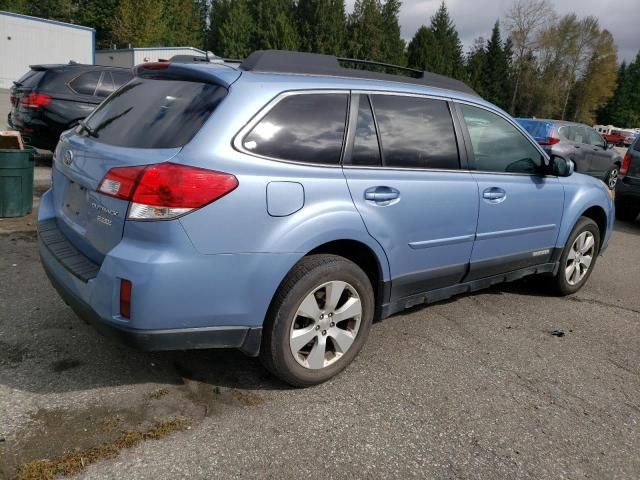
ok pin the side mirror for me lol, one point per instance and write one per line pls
(562, 167)
(608, 146)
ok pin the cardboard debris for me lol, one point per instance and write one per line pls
(11, 140)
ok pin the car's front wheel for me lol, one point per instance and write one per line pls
(318, 321)
(578, 257)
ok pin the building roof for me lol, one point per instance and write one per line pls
(280, 61)
(46, 20)
(140, 49)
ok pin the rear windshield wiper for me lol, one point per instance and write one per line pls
(87, 128)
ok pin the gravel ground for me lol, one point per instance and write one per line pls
(475, 387)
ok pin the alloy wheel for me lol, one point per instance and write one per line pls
(325, 325)
(613, 179)
(580, 258)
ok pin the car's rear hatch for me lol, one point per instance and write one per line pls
(541, 131)
(146, 122)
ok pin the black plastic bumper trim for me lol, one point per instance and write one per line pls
(245, 339)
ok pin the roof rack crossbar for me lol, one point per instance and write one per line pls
(357, 61)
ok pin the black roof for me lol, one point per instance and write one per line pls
(282, 61)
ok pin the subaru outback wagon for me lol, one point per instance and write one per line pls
(282, 205)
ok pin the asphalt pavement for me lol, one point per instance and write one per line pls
(505, 383)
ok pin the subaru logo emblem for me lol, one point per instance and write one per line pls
(68, 157)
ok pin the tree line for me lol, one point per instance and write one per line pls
(533, 63)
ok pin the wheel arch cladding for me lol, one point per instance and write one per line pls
(598, 215)
(372, 261)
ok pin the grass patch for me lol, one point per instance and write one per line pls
(247, 398)
(74, 462)
(159, 393)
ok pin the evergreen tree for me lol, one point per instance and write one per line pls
(139, 23)
(322, 26)
(623, 108)
(445, 53)
(231, 29)
(181, 20)
(98, 14)
(366, 31)
(394, 45)
(496, 84)
(420, 49)
(218, 13)
(477, 65)
(274, 25)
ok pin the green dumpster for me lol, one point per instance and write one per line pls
(16, 182)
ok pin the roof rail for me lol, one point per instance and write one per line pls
(301, 63)
(357, 61)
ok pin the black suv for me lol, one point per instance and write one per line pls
(50, 99)
(628, 187)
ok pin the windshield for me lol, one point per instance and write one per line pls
(147, 113)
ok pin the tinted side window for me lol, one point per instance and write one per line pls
(579, 134)
(154, 113)
(120, 78)
(415, 132)
(302, 128)
(86, 83)
(365, 143)
(497, 145)
(594, 137)
(105, 88)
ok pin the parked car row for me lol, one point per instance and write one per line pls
(281, 205)
(628, 187)
(591, 154)
(50, 99)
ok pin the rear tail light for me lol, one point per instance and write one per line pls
(35, 100)
(166, 190)
(549, 141)
(624, 169)
(125, 298)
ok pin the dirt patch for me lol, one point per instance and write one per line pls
(247, 398)
(74, 462)
(65, 364)
(69, 439)
(12, 355)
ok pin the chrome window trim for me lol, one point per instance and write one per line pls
(239, 137)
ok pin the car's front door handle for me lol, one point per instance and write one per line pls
(381, 195)
(494, 194)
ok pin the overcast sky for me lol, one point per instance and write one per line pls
(474, 18)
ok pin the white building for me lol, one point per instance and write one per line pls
(26, 40)
(128, 57)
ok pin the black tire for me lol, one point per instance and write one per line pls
(308, 274)
(559, 283)
(611, 178)
(627, 211)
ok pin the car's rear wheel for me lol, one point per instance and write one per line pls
(611, 178)
(578, 257)
(318, 321)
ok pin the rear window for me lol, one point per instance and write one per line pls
(154, 113)
(537, 129)
(305, 128)
(30, 79)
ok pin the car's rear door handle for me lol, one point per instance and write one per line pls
(381, 195)
(494, 194)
